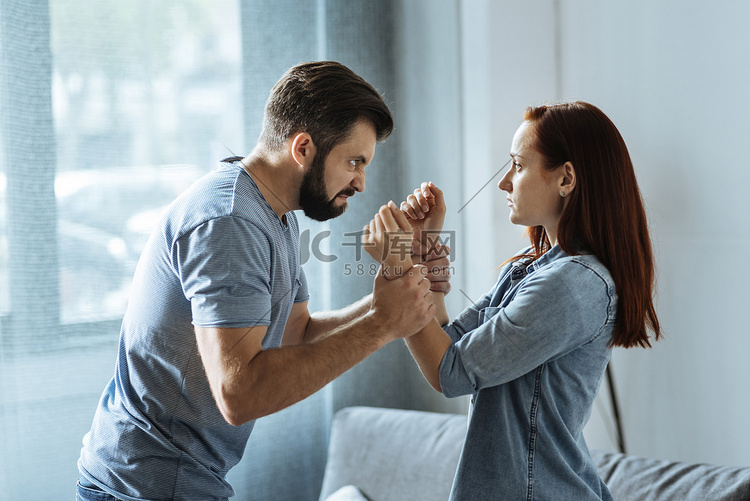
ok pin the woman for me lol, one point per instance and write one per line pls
(533, 350)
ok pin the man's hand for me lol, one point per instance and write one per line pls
(438, 269)
(404, 305)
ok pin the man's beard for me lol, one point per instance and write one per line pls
(313, 197)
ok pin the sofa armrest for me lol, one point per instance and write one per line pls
(393, 454)
(644, 479)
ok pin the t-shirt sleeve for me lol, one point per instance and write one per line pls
(552, 313)
(303, 293)
(224, 268)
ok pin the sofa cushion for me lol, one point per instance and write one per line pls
(391, 454)
(642, 479)
(347, 493)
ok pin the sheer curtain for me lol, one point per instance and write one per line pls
(108, 111)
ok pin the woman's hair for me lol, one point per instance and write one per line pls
(324, 99)
(605, 214)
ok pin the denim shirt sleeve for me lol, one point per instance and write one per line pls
(554, 310)
(469, 319)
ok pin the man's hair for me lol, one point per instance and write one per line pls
(324, 99)
(605, 213)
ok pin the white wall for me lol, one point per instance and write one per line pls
(675, 79)
(499, 81)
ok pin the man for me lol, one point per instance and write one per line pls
(217, 331)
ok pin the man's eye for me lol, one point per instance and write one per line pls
(516, 165)
(353, 163)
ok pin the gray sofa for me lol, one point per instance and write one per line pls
(393, 455)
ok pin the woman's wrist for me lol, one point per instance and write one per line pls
(393, 271)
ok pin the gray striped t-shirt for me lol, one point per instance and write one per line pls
(219, 257)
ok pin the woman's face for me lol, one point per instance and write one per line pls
(533, 191)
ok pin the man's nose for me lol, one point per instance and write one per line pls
(358, 183)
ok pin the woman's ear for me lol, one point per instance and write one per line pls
(302, 149)
(568, 180)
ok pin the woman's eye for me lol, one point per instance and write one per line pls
(516, 165)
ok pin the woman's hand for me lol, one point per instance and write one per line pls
(388, 239)
(425, 209)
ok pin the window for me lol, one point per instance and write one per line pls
(109, 111)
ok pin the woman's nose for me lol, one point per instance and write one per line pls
(504, 183)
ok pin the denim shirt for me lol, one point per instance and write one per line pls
(532, 353)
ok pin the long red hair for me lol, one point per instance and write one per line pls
(604, 215)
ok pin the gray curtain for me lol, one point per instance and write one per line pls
(29, 157)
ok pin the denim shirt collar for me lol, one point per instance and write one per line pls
(523, 267)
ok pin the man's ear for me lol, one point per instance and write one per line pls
(302, 149)
(568, 180)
